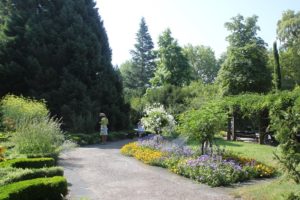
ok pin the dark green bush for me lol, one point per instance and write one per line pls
(36, 189)
(94, 138)
(28, 163)
(11, 175)
(83, 139)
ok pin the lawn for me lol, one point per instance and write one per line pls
(277, 189)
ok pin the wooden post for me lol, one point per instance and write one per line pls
(233, 127)
(229, 127)
(263, 124)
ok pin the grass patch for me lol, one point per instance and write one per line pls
(278, 189)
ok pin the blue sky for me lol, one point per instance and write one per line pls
(198, 22)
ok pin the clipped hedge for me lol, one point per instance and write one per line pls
(94, 138)
(11, 175)
(36, 189)
(29, 163)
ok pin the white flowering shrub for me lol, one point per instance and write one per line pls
(156, 119)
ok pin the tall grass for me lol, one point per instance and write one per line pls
(42, 136)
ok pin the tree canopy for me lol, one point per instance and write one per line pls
(288, 32)
(203, 62)
(143, 57)
(172, 66)
(59, 51)
(245, 68)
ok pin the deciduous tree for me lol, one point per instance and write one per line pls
(245, 68)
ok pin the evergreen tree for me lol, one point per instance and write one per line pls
(245, 67)
(173, 67)
(277, 71)
(143, 57)
(59, 51)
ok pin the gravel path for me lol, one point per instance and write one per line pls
(100, 172)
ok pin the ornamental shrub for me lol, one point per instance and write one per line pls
(16, 110)
(158, 120)
(53, 188)
(11, 175)
(201, 125)
(38, 137)
(28, 163)
(287, 126)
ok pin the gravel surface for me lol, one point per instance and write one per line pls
(100, 172)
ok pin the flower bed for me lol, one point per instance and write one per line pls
(216, 170)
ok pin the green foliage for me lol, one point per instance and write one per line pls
(17, 110)
(170, 96)
(288, 33)
(286, 123)
(198, 94)
(41, 188)
(245, 68)
(143, 65)
(201, 125)
(38, 137)
(203, 62)
(131, 75)
(65, 59)
(83, 139)
(277, 71)
(172, 66)
(283, 108)
(288, 28)
(11, 175)
(28, 163)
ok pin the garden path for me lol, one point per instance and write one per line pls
(100, 172)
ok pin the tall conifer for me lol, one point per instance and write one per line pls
(143, 56)
(59, 51)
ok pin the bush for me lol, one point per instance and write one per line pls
(28, 163)
(83, 139)
(201, 125)
(157, 120)
(36, 189)
(11, 175)
(16, 110)
(94, 138)
(38, 137)
(287, 126)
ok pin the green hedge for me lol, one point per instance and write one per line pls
(29, 163)
(35, 189)
(12, 175)
(94, 138)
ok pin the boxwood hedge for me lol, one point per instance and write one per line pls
(11, 175)
(36, 189)
(28, 163)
